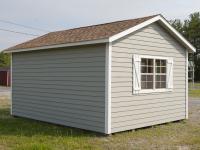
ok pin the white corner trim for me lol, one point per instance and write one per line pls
(59, 46)
(150, 21)
(186, 86)
(108, 88)
(11, 70)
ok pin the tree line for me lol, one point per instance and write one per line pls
(190, 29)
(4, 60)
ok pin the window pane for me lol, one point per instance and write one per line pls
(160, 85)
(163, 62)
(144, 61)
(157, 69)
(149, 85)
(150, 62)
(157, 77)
(144, 69)
(157, 85)
(157, 62)
(150, 69)
(143, 85)
(163, 78)
(163, 70)
(163, 84)
(143, 78)
(150, 78)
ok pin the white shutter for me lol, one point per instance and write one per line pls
(136, 74)
(170, 73)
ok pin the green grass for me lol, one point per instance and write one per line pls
(26, 134)
(194, 93)
(194, 90)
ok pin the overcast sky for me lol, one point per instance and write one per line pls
(54, 15)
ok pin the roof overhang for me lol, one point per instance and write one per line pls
(165, 24)
(115, 37)
(60, 45)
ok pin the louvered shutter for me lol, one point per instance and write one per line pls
(170, 73)
(136, 74)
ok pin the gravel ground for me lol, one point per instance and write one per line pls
(194, 109)
(4, 91)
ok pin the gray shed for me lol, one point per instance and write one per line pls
(106, 78)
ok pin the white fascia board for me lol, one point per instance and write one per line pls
(179, 36)
(133, 29)
(59, 46)
(150, 21)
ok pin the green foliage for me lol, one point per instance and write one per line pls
(194, 90)
(178, 25)
(4, 60)
(190, 29)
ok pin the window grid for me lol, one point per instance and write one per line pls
(147, 73)
(153, 73)
(160, 74)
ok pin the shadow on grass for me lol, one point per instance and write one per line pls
(10, 125)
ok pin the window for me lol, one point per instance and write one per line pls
(160, 73)
(147, 73)
(152, 74)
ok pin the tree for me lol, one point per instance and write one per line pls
(177, 24)
(190, 29)
(4, 60)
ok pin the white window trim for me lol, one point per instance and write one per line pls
(154, 57)
(143, 91)
(154, 90)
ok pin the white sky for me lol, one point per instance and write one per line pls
(54, 15)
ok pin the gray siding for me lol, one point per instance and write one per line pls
(63, 86)
(134, 111)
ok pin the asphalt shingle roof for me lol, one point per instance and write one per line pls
(88, 33)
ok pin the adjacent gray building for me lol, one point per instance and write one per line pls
(106, 78)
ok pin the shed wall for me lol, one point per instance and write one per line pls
(130, 111)
(63, 86)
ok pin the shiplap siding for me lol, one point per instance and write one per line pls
(131, 111)
(64, 86)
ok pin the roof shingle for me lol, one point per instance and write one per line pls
(88, 33)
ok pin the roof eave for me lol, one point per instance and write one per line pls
(59, 46)
(115, 37)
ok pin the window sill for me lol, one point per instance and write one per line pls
(152, 91)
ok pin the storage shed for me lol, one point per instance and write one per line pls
(106, 78)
